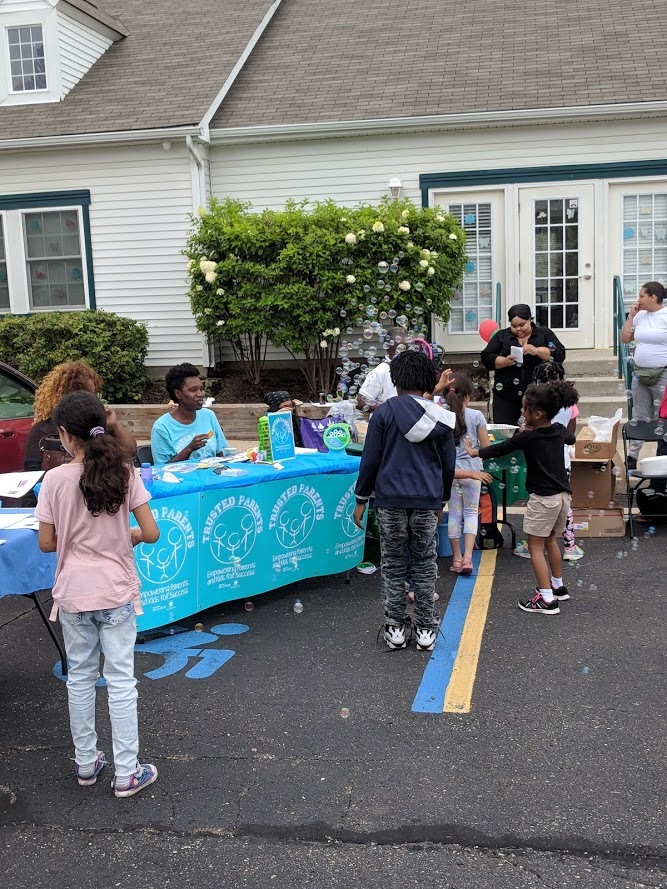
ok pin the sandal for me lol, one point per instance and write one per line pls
(456, 566)
(466, 567)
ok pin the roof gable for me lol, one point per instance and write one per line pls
(165, 73)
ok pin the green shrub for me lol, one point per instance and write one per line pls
(114, 346)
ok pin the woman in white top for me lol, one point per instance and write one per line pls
(647, 325)
(468, 477)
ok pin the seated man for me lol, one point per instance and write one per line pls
(191, 431)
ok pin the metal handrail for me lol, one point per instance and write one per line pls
(621, 349)
(499, 302)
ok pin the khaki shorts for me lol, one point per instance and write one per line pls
(546, 514)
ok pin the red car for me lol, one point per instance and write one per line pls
(17, 397)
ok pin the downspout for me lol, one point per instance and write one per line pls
(199, 196)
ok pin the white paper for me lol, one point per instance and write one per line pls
(15, 520)
(517, 353)
(16, 484)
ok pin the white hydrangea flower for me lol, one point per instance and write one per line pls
(219, 292)
(206, 266)
(202, 211)
(453, 237)
(207, 311)
(426, 253)
(423, 263)
(404, 285)
(409, 244)
(404, 230)
(323, 344)
(350, 279)
(336, 331)
(430, 271)
(350, 238)
(434, 255)
(199, 288)
(439, 218)
(361, 234)
(405, 214)
(378, 226)
(343, 218)
(210, 277)
(219, 323)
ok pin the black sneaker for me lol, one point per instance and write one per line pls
(539, 605)
(632, 462)
(561, 594)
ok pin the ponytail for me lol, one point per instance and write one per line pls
(455, 394)
(566, 394)
(107, 466)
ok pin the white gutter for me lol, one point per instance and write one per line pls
(477, 119)
(118, 137)
(236, 70)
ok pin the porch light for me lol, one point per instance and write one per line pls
(395, 187)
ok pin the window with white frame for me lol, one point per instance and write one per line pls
(54, 261)
(474, 302)
(45, 254)
(644, 242)
(4, 284)
(27, 61)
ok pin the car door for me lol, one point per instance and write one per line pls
(17, 397)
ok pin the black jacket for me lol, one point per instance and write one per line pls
(409, 456)
(500, 344)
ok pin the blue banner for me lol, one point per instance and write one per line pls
(235, 543)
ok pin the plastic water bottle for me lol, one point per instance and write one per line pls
(298, 606)
(146, 473)
(264, 437)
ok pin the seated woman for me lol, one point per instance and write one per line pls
(191, 431)
(70, 376)
(281, 400)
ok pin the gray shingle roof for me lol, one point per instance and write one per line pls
(165, 73)
(325, 60)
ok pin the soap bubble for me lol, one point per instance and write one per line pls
(367, 287)
(393, 267)
(603, 467)
(419, 286)
(651, 530)
(383, 267)
(590, 495)
(475, 364)
(514, 470)
(501, 486)
(298, 606)
(249, 606)
(552, 348)
(383, 315)
(343, 313)
(615, 470)
(499, 387)
(483, 531)
(380, 284)
(392, 313)
(515, 489)
(402, 321)
(199, 628)
(371, 311)
(387, 287)
(516, 382)
(344, 712)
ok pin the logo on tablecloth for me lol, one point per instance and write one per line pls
(294, 514)
(344, 512)
(231, 529)
(161, 562)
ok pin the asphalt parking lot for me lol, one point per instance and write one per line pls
(298, 759)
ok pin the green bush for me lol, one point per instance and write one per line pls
(114, 346)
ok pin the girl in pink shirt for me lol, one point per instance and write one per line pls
(84, 517)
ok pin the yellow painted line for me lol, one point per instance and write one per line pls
(458, 697)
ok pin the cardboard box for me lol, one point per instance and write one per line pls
(599, 523)
(593, 484)
(587, 449)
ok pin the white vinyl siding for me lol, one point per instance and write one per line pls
(80, 48)
(140, 200)
(354, 170)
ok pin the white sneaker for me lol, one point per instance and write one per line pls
(425, 639)
(573, 553)
(394, 636)
(522, 550)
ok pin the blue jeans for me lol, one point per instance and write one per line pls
(113, 633)
(415, 529)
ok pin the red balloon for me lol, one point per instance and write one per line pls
(487, 329)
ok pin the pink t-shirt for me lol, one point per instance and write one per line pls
(95, 563)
